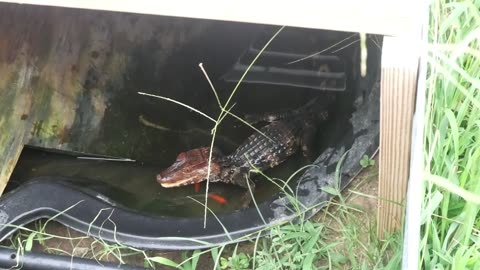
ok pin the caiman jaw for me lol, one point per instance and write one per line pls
(170, 183)
(190, 167)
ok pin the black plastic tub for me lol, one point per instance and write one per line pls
(121, 202)
(89, 211)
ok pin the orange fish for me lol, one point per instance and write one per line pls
(197, 187)
(218, 198)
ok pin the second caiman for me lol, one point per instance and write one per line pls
(285, 134)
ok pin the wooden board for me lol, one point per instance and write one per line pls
(386, 17)
(61, 71)
(400, 61)
(11, 144)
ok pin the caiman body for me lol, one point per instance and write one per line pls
(285, 134)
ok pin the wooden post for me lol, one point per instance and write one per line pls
(400, 60)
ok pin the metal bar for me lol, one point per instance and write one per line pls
(9, 259)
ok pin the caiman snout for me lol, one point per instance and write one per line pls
(189, 168)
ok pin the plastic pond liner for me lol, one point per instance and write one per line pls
(90, 209)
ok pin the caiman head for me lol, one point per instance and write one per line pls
(190, 167)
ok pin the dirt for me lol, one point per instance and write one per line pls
(360, 194)
(361, 198)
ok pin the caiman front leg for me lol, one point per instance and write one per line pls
(240, 177)
(267, 117)
(307, 139)
(249, 185)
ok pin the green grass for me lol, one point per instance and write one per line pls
(450, 217)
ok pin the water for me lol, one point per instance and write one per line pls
(133, 183)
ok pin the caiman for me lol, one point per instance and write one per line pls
(286, 133)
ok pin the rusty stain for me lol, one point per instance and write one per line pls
(64, 135)
(74, 68)
(24, 116)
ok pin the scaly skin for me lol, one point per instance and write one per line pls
(283, 137)
(190, 167)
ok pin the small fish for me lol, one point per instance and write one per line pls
(217, 198)
(197, 187)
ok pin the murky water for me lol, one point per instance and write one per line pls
(133, 183)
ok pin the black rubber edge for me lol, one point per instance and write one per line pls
(94, 214)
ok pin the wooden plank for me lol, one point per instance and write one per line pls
(11, 144)
(62, 85)
(400, 60)
(386, 17)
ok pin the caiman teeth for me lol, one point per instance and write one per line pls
(178, 183)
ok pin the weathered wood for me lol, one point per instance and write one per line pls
(386, 17)
(62, 71)
(398, 86)
(11, 144)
